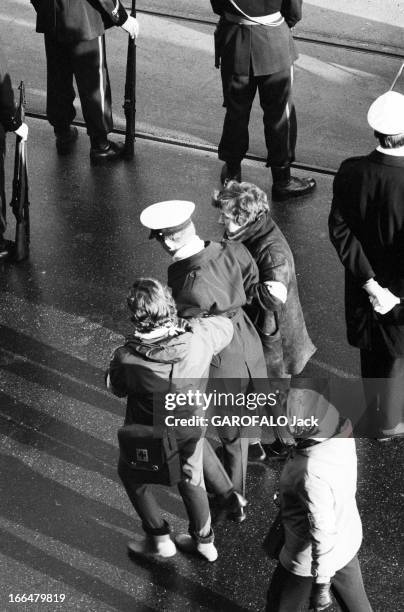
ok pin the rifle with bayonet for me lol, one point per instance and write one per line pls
(19, 202)
(130, 94)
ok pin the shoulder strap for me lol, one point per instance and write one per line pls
(243, 13)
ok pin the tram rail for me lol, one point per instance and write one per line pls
(355, 46)
(189, 144)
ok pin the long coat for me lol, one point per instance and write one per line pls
(366, 226)
(77, 20)
(282, 329)
(9, 122)
(266, 50)
(218, 280)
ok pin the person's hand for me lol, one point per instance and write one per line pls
(131, 26)
(384, 302)
(320, 598)
(22, 132)
(277, 289)
(373, 288)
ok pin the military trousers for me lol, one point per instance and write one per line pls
(3, 203)
(86, 62)
(280, 126)
(383, 383)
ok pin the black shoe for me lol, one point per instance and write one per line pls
(229, 173)
(231, 507)
(109, 152)
(293, 188)
(277, 450)
(256, 452)
(65, 140)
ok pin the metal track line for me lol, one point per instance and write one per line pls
(315, 40)
(197, 146)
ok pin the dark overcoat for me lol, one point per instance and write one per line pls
(366, 226)
(72, 21)
(218, 280)
(265, 49)
(282, 329)
(9, 122)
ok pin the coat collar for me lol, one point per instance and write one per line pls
(249, 234)
(183, 266)
(386, 160)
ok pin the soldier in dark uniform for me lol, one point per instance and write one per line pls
(367, 229)
(9, 122)
(208, 278)
(75, 46)
(255, 50)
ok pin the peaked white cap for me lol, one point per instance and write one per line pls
(167, 215)
(386, 114)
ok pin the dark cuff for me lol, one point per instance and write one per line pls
(202, 540)
(156, 531)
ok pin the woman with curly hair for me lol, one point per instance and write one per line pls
(275, 310)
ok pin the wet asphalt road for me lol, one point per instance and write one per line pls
(64, 516)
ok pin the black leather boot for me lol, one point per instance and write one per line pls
(230, 172)
(65, 139)
(286, 186)
(105, 152)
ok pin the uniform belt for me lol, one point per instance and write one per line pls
(273, 20)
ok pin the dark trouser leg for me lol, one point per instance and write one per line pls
(287, 592)
(60, 93)
(3, 203)
(383, 387)
(275, 92)
(143, 501)
(91, 72)
(348, 589)
(239, 92)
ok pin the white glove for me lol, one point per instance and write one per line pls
(277, 289)
(384, 302)
(131, 26)
(22, 131)
(373, 288)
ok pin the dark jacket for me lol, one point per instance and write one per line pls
(287, 345)
(143, 371)
(76, 20)
(265, 49)
(8, 119)
(9, 122)
(219, 280)
(366, 226)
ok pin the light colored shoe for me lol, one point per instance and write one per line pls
(153, 546)
(188, 545)
(391, 434)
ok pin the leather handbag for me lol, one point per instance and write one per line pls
(275, 538)
(152, 459)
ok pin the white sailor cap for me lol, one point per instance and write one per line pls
(386, 114)
(167, 217)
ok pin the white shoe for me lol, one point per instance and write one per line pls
(390, 434)
(188, 545)
(153, 546)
